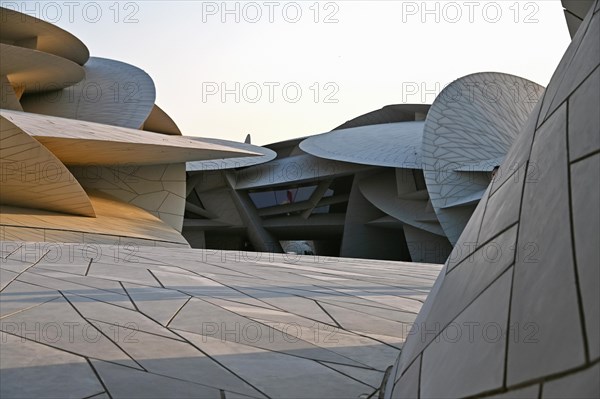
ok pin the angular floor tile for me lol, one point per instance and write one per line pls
(32, 370)
(276, 376)
(57, 324)
(123, 382)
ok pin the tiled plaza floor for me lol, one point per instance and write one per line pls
(101, 321)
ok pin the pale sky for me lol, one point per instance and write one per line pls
(367, 55)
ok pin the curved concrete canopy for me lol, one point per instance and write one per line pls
(24, 30)
(381, 191)
(160, 122)
(264, 155)
(469, 128)
(81, 143)
(37, 71)
(396, 145)
(293, 169)
(112, 93)
(389, 114)
(33, 177)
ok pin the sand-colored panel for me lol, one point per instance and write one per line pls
(84, 143)
(24, 30)
(113, 218)
(37, 71)
(160, 122)
(33, 177)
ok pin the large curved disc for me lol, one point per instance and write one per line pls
(471, 124)
(396, 145)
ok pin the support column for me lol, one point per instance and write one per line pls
(260, 238)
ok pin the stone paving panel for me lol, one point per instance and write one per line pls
(193, 323)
